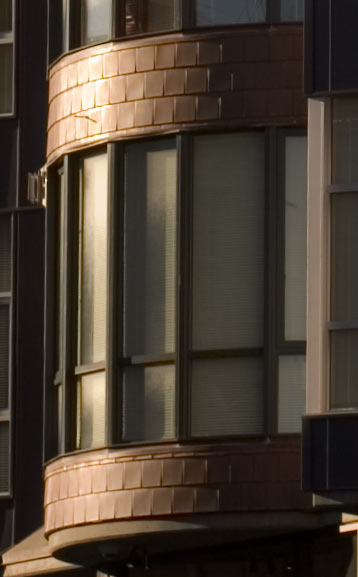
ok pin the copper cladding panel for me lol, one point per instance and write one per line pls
(242, 77)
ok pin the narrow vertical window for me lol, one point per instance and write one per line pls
(228, 285)
(96, 21)
(292, 241)
(92, 301)
(6, 57)
(149, 331)
(5, 331)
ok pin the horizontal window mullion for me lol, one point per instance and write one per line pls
(147, 360)
(5, 415)
(292, 348)
(6, 38)
(341, 188)
(343, 325)
(227, 353)
(92, 368)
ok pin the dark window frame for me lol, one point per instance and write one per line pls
(273, 346)
(58, 45)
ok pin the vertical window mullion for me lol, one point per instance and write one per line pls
(114, 291)
(184, 241)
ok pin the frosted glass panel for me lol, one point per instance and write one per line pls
(291, 10)
(96, 17)
(93, 250)
(149, 403)
(150, 248)
(5, 253)
(344, 369)
(151, 15)
(91, 411)
(345, 140)
(6, 16)
(227, 397)
(344, 256)
(4, 356)
(6, 58)
(295, 237)
(216, 12)
(292, 393)
(228, 251)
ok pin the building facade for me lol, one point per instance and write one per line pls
(174, 263)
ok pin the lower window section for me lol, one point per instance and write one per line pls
(227, 397)
(344, 369)
(149, 403)
(91, 410)
(6, 58)
(292, 393)
(4, 457)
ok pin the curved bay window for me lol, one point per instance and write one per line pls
(77, 23)
(176, 306)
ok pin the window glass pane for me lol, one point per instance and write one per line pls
(91, 411)
(93, 260)
(344, 241)
(344, 369)
(6, 78)
(227, 397)
(216, 12)
(345, 140)
(151, 15)
(4, 457)
(6, 16)
(292, 393)
(4, 356)
(295, 237)
(149, 403)
(228, 251)
(291, 10)
(150, 248)
(96, 21)
(59, 269)
(5, 253)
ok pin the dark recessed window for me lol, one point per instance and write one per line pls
(170, 314)
(143, 16)
(6, 58)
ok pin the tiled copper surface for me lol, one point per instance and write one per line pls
(130, 483)
(244, 76)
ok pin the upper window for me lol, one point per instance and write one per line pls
(75, 23)
(183, 281)
(344, 251)
(6, 58)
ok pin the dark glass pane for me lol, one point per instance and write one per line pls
(344, 270)
(217, 12)
(291, 393)
(345, 140)
(151, 16)
(4, 356)
(59, 270)
(5, 253)
(227, 397)
(150, 248)
(344, 40)
(6, 78)
(149, 403)
(6, 16)
(93, 261)
(291, 10)
(228, 241)
(344, 369)
(4, 457)
(295, 237)
(91, 410)
(96, 21)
